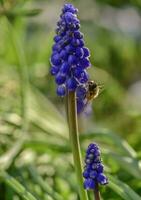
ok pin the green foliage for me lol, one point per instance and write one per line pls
(35, 154)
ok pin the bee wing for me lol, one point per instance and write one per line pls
(87, 108)
(101, 87)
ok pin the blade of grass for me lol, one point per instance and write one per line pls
(16, 186)
(47, 146)
(22, 13)
(132, 166)
(106, 136)
(23, 73)
(7, 159)
(44, 115)
(46, 187)
(122, 189)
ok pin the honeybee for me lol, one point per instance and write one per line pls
(93, 90)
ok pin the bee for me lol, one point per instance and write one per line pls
(93, 90)
(88, 93)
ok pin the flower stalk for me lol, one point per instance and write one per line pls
(74, 139)
(96, 192)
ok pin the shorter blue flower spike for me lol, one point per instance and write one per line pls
(93, 172)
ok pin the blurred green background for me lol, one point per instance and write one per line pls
(35, 155)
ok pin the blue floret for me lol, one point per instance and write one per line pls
(61, 90)
(89, 184)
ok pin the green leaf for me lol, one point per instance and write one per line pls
(127, 163)
(122, 189)
(43, 114)
(22, 13)
(16, 186)
(47, 146)
(114, 140)
(2, 2)
(44, 185)
(118, 149)
(30, 13)
(7, 159)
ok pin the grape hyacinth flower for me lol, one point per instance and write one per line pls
(69, 63)
(70, 57)
(93, 170)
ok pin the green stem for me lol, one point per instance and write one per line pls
(74, 139)
(96, 192)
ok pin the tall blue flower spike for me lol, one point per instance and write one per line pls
(93, 171)
(70, 57)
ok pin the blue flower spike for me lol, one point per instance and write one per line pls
(94, 169)
(70, 57)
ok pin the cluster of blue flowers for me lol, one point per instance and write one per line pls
(70, 58)
(93, 172)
